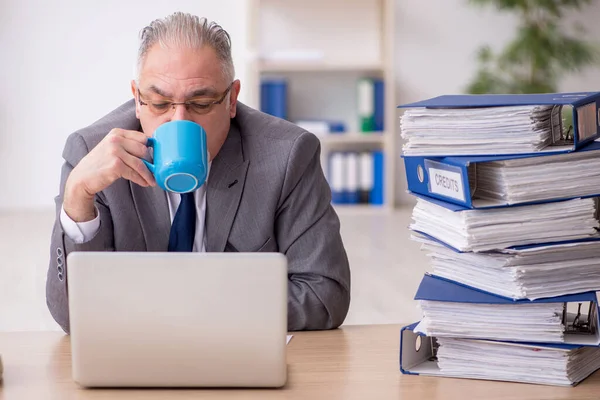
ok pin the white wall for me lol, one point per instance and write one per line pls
(65, 64)
(436, 43)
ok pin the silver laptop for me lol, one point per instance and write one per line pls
(178, 319)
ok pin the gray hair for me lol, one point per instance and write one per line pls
(182, 30)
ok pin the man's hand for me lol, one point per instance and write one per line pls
(118, 155)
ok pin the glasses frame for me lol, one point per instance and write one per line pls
(187, 104)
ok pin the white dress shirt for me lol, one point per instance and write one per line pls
(81, 232)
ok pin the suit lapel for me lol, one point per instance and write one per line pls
(224, 191)
(153, 212)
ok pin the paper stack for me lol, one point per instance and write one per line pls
(530, 179)
(511, 229)
(531, 272)
(454, 310)
(514, 362)
(478, 230)
(518, 129)
(500, 322)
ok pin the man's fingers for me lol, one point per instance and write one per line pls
(134, 148)
(137, 165)
(130, 147)
(136, 136)
(133, 176)
(131, 135)
(118, 141)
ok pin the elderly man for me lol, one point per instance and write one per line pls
(265, 192)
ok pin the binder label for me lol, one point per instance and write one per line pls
(445, 182)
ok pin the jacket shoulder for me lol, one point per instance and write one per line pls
(122, 117)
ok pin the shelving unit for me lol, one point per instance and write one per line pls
(342, 40)
(352, 138)
(303, 66)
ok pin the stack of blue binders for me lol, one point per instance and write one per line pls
(458, 301)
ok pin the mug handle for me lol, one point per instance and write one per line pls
(150, 143)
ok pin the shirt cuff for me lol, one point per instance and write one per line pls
(80, 232)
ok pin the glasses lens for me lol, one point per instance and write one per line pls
(160, 107)
(200, 108)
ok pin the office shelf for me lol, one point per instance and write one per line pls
(318, 66)
(321, 48)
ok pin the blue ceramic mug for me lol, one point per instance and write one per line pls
(180, 156)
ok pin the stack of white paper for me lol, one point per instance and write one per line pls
(539, 178)
(531, 272)
(486, 130)
(499, 228)
(524, 322)
(514, 362)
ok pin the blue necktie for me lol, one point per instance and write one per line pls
(183, 228)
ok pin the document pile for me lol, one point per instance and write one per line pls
(525, 272)
(518, 129)
(478, 230)
(511, 230)
(514, 362)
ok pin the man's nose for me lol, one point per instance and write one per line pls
(180, 112)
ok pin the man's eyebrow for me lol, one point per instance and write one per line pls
(159, 91)
(204, 92)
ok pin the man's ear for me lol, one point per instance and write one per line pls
(233, 95)
(134, 91)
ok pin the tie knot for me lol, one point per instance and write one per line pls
(187, 196)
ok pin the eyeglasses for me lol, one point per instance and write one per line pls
(197, 107)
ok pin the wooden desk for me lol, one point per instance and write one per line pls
(355, 362)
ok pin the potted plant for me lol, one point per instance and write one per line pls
(541, 53)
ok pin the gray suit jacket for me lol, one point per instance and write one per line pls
(266, 192)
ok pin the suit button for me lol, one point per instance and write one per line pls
(59, 252)
(59, 261)
(60, 269)
(60, 277)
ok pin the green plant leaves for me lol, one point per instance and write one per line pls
(541, 52)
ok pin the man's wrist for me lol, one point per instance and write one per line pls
(78, 205)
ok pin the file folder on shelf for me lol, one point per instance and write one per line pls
(479, 315)
(356, 178)
(499, 181)
(567, 121)
(377, 195)
(370, 98)
(337, 177)
(379, 98)
(367, 176)
(274, 97)
(351, 174)
(366, 104)
(547, 364)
